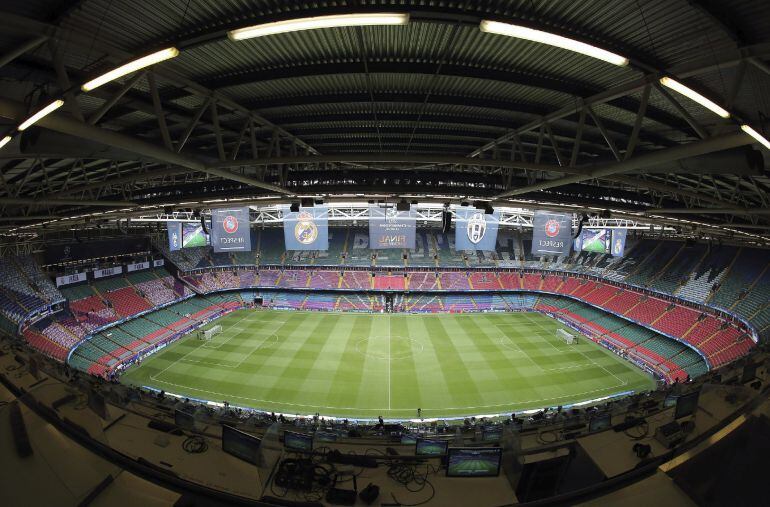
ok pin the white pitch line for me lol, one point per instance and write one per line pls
(622, 382)
(389, 337)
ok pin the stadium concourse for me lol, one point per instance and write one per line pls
(391, 252)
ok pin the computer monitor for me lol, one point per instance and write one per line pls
(686, 405)
(297, 441)
(97, 404)
(749, 372)
(670, 401)
(600, 422)
(240, 444)
(474, 462)
(325, 436)
(408, 439)
(428, 447)
(492, 434)
(183, 420)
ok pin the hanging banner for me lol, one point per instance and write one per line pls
(619, 242)
(70, 279)
(306, 229)
(230, 230)
(138, 266)
(551, 233)
(174, 235)
(389, 228)
(475, 229)
(101, 273)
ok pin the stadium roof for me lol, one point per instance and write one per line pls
(433, 107)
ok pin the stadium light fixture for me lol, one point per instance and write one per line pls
(132, 66)
(50, 108)
(750, 131)
(334, 21)
(551, 39)
(4, 141)
(693, 95)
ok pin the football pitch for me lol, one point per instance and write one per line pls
(367, 365)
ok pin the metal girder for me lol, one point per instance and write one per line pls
(641, 161)
(94, 119)
(20, 50)
(60, 123)
(20, 24)
(391, 158)
(64, 202)
(710, 211)
(684, 70)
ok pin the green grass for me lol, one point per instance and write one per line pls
(366, 365)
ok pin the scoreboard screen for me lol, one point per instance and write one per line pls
(604, 241)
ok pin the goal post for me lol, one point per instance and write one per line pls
(568, 337)
(209, 333)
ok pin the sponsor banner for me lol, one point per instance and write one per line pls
(389, 228)
(475, 230)
(230, 229)
(306, 229)
(158, 262)
(618, 242)
(174, 235)
(70, 279)
(138, 266)
(551, 233)
(101, 273)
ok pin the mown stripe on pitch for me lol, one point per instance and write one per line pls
(405, 385)
(350, 373)
(459, 378)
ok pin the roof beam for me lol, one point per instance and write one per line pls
(61, 123)
(635, 163)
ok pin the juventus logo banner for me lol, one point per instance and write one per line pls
(230, 230)
(390, 228)
(174, 235)
(551, 233)
(307, 229)
(475, 230)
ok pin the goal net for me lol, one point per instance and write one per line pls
(568, 337)
(209, 333)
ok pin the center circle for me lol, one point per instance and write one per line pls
(388, 347)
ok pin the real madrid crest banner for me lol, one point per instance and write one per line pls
(230, 230)
(174, 235)
(475, 229)
(306, 229)
(390, 228)
(551, 233)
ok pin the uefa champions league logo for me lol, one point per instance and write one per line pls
(552, 228)
(230, 224)
(476, 228)
(306, 231)
(391, 216)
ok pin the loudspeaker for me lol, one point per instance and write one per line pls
(203, 225)
(294, 208)
(403, 206)
(307, 202)
(446, 221)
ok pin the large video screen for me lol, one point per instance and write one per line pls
(193, 235)
(604, 241)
